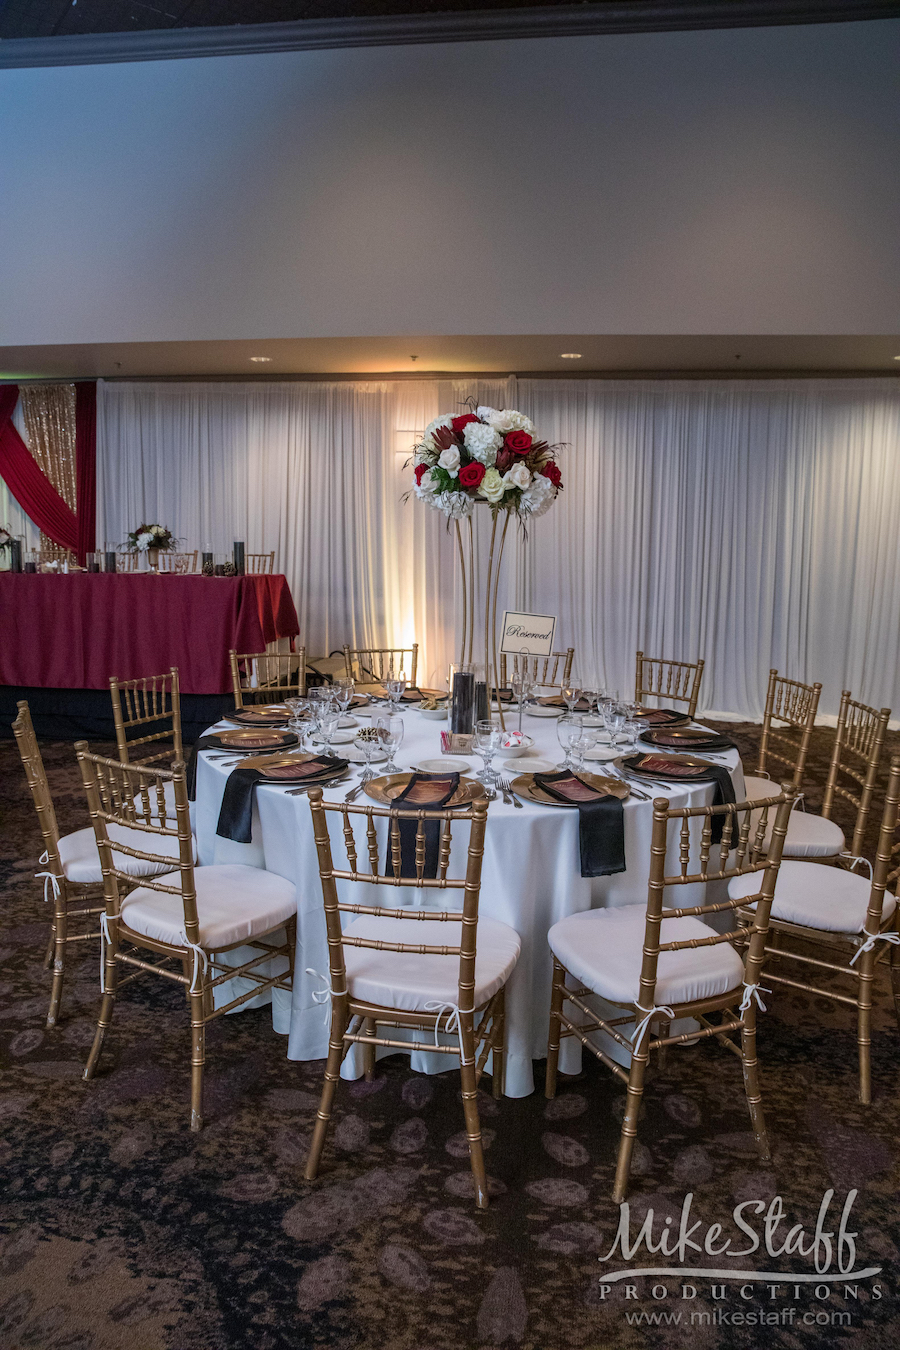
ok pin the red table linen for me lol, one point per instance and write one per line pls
(75, 631)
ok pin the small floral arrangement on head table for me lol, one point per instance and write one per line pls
(486, 455)
(150, 536)
(5, 538)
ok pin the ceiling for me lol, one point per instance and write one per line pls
(368, 356)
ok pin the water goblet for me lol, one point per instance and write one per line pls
(390, 734)
(486, 743)
(395, 686)
(615, 717)
(328, 724)
(571, 694)
(343, 691)
(569, 730)
(367, 742)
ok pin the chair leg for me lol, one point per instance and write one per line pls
(499, 1042)
(556, 1003)
(895, 980)
(864, 1025)
(332, 1077)
(369, 1050)
(750, 1065)
(51, 944)
(60, 932)
(198, 999)
(639, 1059)
(470, 1108)
(107, 1007)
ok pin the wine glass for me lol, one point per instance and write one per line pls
(615, 717)
(298, 709)
(522, 686)
(591, 697)
(367, 741)
(395, 686)
(569, 730)
(329, 717)
(486, 743)
(343, 691)
(390, 734)
(571, 694)
(631, 731)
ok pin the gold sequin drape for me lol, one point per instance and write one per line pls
(49, 413)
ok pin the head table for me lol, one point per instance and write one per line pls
(530, 880)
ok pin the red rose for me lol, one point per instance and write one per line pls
(519, 442)
(420, 471)
(472, 474)
(552, 472)
(459, 423)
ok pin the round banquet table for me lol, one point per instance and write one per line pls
(530, 880)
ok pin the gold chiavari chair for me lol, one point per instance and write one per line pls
(674, 681)
(555, 669)
(267, 677)
(180, 564)
(127, 561)
(787, 729)
(152, 703)
(259, 562)
(72, 869)
(372, 665)
(838, 912)
(188, 917)
(662, 962)
(452, 967)
(858, 746)
(52, 553)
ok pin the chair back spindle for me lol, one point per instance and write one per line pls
(151, 704)
(267, 677)
(674, 681)
(787, 728)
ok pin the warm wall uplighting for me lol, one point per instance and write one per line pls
(260, 358)
(571, 356)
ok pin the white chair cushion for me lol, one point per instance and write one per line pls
(81, 861)
(755, 789)
(827, 898)
(810, 836)
(234, 903)
(406, 981)
(603, 948)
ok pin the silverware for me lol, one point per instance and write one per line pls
(506, 785)
(355, 791)
(614, 773)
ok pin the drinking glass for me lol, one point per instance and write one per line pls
(390, 734)
(328, 724)
(395, 686)
(569, 730)
(522, 686)
(615, 718)
(344, 690)
(591, 698)
(367, 744)
(486, 743)
(299, 709)
(571, 693)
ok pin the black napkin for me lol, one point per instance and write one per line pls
(204, 743)
(600, 822)
(236, 813)
(412, 796)
(715, 773)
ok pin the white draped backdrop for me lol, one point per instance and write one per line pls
(751, 522)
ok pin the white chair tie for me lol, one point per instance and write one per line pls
(649, 1014)
(104, 939)
(848, 857)
(452, 1025)
(200, 961)
(871, 939)
(50, 878)
(751, 992)
(322, 996)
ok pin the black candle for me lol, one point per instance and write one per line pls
(239, 557)
(462, 702)
(93, 567)
(110, 561)
(481, 701)
(220, 569)
(207, 560)
(30, 567)
(15, 555)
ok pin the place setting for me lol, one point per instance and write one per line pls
(288, 771)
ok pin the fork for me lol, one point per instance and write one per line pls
(509, 795)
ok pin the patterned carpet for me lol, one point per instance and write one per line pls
(122, 1231)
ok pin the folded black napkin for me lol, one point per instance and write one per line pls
(236, 813)
(204, 743)
(714, 773)
(423, 792)
(600, 822)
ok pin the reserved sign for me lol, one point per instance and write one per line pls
(531, 633)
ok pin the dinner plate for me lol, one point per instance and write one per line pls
(686, 738)
(355, 756)
(535, 764)
(541, 710)
(525, 786)
(601, 753)
(386, 788)
(446, 764)
(672, 773)
(244, 740)
(342, 736)
(277, 768)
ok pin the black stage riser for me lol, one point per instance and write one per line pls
(86, 714)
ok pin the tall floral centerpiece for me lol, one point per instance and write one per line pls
(495, 459)
(151, 539)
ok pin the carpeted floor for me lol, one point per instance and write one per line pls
(122, 1231)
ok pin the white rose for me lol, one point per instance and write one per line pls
(427, 488)
(482, 442)
(157, 530)
(455, 505)
(519, 476)
(449, 460)
(510, 420)
(492, 486)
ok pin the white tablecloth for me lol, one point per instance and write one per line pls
(530, 880)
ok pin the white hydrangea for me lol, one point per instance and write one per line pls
(482, 442)
(486, 413)
(537, 497)
(510, 420)
(144, 540)
(158, 530)
(449, 460)
(519, 476)
(455, 505)
(445, 420)
(424, 454)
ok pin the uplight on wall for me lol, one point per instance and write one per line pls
(571, 356)
(260, 358)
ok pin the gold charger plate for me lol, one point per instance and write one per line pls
(255, 738)
(525, 786)
(687, 736)
(383, 790)
(669, 775)
(265, 763)
(263, 715)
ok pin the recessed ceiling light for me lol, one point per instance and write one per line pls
(260, 358)
(571, 356)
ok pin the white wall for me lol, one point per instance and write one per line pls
(739, 181)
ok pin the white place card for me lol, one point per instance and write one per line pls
(531, 633)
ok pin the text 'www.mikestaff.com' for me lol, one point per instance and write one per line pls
(740, 1317)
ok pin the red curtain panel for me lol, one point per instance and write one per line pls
(31, 488)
